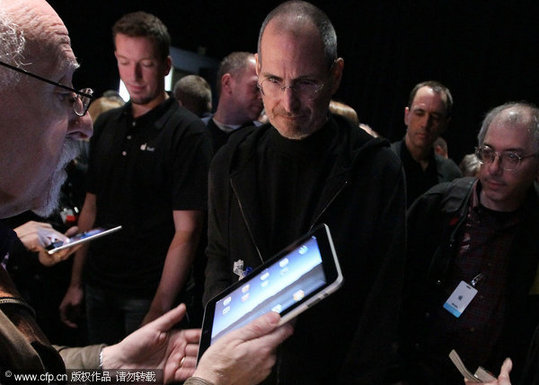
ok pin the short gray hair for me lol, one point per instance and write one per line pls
(11, 49)
(306, 11)
(233, 64)
(525, 111)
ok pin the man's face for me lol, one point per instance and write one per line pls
(291, 58)
(37, 123)
(503, 190)
(426, 119)
(245, 93)
(141, 69)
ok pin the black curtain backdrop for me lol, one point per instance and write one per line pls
(484, 51)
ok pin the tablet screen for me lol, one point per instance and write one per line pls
(276, 288)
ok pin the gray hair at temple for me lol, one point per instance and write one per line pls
(11, 50)
(233, 64)
(292, 13)
(469, 165)
(523, 112)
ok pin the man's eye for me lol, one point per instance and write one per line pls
(147, 64)
(307, 83)
(512, 157)
(66, 96)
(274, 81)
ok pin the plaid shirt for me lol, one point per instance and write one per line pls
(483, 249)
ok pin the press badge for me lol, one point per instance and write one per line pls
(459, 300)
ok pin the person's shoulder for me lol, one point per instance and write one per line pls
(447, 167)
(240, 145)
(108, 117)
(448, 196)
(182, 117)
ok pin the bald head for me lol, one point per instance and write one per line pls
(512, 114)
(295, 17)
(31, 30)
(38, 124)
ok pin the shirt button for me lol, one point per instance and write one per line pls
(124, 153)
(129, 137)
(134, 124)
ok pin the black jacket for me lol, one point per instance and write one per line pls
(348, 337)
(435, 224)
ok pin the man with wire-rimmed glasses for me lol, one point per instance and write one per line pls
(473, 256)
(271, 184)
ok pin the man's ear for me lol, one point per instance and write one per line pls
(168, 65)
(226, 83)
(406, 116)
(338, 67)
(257, 67)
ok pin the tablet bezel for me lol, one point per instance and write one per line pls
(332, 272)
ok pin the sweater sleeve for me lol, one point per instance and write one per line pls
(197, 381)
(81, 358)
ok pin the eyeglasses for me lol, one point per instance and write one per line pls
(509, 160)
(81, 98)
(303, 88)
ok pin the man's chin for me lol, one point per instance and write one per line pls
(50, 201)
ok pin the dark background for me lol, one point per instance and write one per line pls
(484, 51)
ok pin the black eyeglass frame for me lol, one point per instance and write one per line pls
(23, 71)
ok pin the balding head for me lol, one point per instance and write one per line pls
(31, 31)
(38, 124)
(297, 68)
(512, 114)
(295, 16)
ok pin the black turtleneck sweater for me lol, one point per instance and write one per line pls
(291, 174)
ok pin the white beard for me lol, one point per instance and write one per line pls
(70, 151)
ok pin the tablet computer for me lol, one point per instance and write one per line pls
(81, 238)
(289, 283)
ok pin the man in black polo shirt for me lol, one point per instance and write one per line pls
(148, 170)
(426, 117)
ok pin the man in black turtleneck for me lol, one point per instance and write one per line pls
(271, 184)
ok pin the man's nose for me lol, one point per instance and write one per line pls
(290, 100)
(495, 167)
(80, 127)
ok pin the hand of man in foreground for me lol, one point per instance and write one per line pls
(36, 236)
(503, 378)
(244, 356)
(157, 346)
